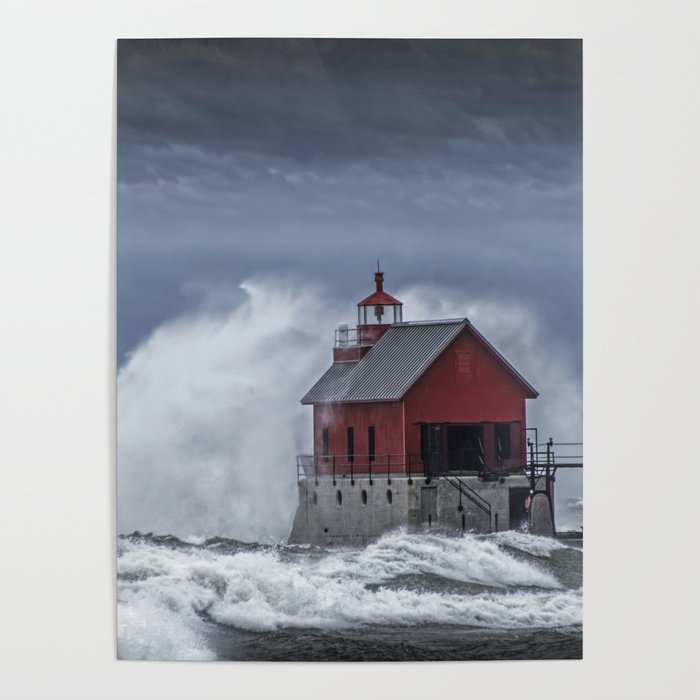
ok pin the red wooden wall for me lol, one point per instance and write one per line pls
(466, 384)
(386, 417)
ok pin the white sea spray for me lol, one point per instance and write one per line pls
(209, 418)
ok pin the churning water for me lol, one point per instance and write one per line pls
(408, 596)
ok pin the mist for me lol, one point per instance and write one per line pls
(209, 419)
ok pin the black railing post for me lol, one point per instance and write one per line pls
(315, 470)
(352, 472)
(550, 460)
(370, 471)
(388, 469)
(333, 470)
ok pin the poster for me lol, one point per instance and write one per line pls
(414, 209)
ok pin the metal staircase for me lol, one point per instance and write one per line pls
(468, 493)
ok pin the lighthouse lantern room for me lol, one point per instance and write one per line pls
(379, 308)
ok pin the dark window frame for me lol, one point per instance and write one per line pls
(351, 443)
(325, 446)
(464, 362)
(501, 431)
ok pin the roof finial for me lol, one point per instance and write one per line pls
(378, 270)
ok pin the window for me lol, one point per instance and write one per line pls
(379, 313)
(351, 444)
(324, 444)
(465, 364)
(424, 441)
(503, 440)
(370, 443)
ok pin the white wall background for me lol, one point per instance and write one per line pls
(57, 279)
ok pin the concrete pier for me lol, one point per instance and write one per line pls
(355, 514)
(540, 516)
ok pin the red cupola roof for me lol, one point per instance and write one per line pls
(379, 296)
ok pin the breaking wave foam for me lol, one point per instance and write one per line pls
(166, 593)
(530, 544)
(150, 629)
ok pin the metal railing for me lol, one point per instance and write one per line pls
(354, 337)
(539, 458)
(562, 454)
(372, 466)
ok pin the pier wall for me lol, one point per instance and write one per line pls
(540, 516)
(355, 514)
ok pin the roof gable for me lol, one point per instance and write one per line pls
(395, 363)
(530, 391)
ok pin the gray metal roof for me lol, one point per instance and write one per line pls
(391, 367)
(334, 383)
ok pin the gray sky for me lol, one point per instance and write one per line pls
(456, 163)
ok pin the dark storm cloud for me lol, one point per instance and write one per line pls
(457, 162)
(324, 99)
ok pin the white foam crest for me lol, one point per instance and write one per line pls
(469, 558)
(194, 539)
(531, 544)
(263, 590)
(149, 629)
(338, 605)
(158, 598)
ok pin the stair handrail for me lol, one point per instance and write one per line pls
(468, 492)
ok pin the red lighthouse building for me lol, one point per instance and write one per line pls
(435, 396)
(410, 405)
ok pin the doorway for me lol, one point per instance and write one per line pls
(518, 503)
(428, 505)
(465, 448)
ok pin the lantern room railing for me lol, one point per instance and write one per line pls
(353, 337)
